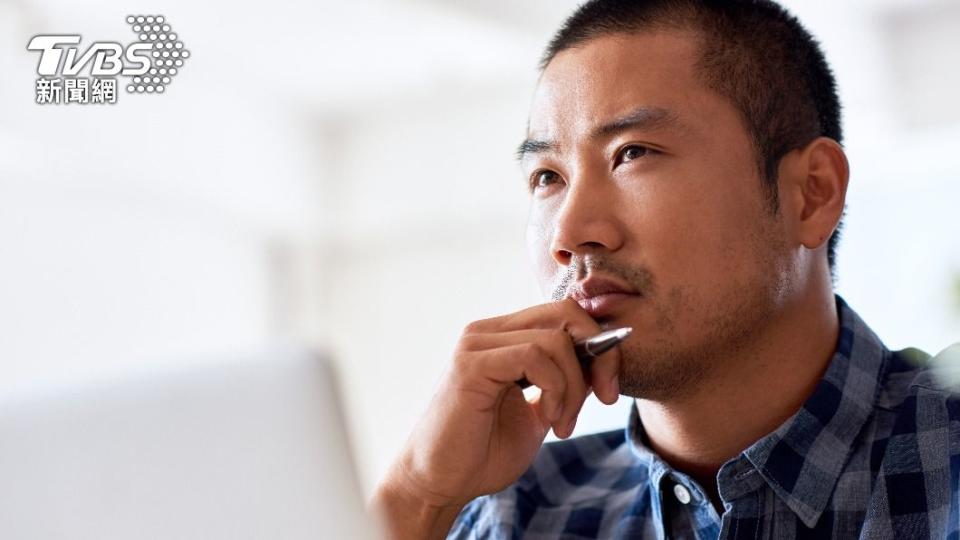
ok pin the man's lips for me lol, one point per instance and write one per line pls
(600, 297)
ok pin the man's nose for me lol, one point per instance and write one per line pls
(587, 221)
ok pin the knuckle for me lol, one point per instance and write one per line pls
(484, 326)
(563, 308)
(473, 327)
(534, 349)
(570, 307)
(467, 342)
(559, 337)
(554, 382)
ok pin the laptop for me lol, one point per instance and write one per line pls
(241, 450)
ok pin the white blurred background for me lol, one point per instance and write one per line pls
(343, 174)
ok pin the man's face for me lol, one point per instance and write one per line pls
(644, 179)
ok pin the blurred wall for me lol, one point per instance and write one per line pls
(342, 174)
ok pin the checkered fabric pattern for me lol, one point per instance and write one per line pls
(873, 453)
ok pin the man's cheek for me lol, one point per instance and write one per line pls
(678, 248)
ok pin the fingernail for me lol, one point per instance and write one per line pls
(570, 426)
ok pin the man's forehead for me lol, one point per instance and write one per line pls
(607, 78)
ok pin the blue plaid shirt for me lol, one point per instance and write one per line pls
(873, 453)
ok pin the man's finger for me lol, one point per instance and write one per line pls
(604, 376)
(565, 314)
(558, 345)
(502, 366)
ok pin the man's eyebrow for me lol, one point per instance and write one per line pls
(649, 118)
(531, 146)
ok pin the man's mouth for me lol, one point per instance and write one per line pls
(601, 297)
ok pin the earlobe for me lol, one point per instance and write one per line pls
(824, 190)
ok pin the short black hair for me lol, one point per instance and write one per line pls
(753, 52)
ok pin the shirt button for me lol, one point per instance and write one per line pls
(682, 493)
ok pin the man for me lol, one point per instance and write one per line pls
(687, 181)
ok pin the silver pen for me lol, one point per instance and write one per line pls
(592, 347)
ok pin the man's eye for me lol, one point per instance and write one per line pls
(632, 152)
(543, 179)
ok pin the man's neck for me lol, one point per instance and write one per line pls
(750, 396)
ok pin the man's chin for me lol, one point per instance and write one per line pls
(660, 374)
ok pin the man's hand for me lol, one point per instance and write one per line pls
(479, 433)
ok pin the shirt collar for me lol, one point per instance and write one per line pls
(802, 460)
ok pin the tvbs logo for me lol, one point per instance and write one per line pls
(149, 64)
(108, 58)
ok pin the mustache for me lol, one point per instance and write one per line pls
(638, 277)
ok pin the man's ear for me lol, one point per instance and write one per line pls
(813, 186)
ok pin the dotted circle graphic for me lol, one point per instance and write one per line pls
(166, 51)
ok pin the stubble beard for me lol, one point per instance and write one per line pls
(667, 367)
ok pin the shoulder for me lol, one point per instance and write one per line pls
(918, 412)
(921, 388)
(916, 449)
